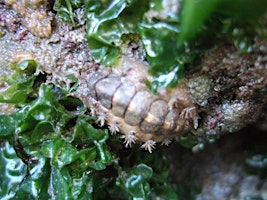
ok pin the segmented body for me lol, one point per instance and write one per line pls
(119, 97)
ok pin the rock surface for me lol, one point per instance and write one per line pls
(229, 89)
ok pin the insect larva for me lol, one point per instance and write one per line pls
(121, 98)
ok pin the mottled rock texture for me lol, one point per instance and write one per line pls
(228, 88)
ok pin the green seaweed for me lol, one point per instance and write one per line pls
(52, 149)
(172, 39)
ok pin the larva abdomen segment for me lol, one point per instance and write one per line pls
(92, 81)
(121, 99)
(155, 117)
(169, 124)
(105, 89)
(138, 108)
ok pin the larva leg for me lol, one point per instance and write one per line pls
(129, 139)
(189, 113)
(149, 145)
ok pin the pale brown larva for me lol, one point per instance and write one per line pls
(120, 98)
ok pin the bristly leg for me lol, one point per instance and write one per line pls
(187, 113)
(149, 145)
(93, 111)
(101, 119)
(166, 142)
(129, 139)
(113, 127)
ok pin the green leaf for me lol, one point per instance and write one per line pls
(159, 40)
(92, 133)
(61, 183)
(83, 187)
(13, 171)
(188, 141)
(65, 11)
(163, 192)
(243, 9)
(7, 125)
(20, 83)
(36, 184)
(194, 14)
(136, 181)
(62, 153)
(107, 22)
(42, 131)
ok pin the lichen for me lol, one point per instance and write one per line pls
(199, 89)
(35, 16)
